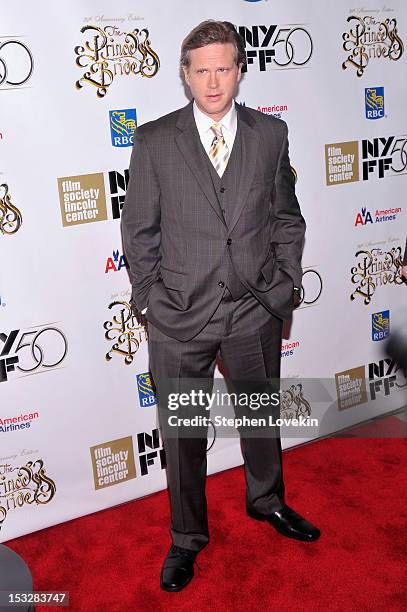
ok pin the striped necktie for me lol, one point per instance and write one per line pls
(219, 152)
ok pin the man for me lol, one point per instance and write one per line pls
(404, 266)
(213, 234)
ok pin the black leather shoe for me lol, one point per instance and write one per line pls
(178, 568)
(288, 523)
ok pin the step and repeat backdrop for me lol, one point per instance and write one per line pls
(78, 428)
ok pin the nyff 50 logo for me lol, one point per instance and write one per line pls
(286, 46)
(381, 156)
(151, 452)
(43, 348)
(16, 63)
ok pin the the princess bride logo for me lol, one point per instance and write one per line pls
(23, 485)
(375, 267)
(10, 216)
(108, 52)
(370, 38)
(293, 403)
(125, 331)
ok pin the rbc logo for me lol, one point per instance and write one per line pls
(123, 124)
(146, 390)
(374, 102)
(380, 325)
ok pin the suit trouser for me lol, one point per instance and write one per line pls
(248, 339)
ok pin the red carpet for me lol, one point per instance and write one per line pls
(353, 489)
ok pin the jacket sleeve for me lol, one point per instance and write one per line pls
(288, 226)
(140, 222)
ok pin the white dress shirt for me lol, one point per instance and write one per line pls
(204, 123)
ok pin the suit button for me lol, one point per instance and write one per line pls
(222, 190)
(221, 284)
(229, 241)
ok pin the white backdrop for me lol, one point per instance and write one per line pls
(77, 421)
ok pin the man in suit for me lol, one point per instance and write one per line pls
(213, 234)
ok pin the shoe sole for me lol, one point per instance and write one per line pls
(260, 517)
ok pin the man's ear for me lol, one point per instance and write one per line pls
(185, 70)
(239, 74)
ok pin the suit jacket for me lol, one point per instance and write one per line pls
(175, 237)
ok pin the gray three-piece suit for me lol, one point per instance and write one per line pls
(215, 260)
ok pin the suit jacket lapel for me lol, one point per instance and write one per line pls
(250, 147)
(190, 145)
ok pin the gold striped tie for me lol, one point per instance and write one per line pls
(219, 152)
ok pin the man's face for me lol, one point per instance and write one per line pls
(212, 77)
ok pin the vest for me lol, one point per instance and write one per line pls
(226, 189)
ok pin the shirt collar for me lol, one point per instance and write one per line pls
(204, 123)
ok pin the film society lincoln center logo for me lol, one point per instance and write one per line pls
(351, 387)
(380, 157)
(82, 199)
(342, 162)
(113, 462)
(376, 381)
